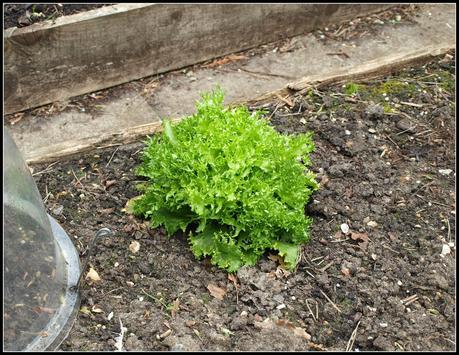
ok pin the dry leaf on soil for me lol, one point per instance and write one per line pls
(134, 247)
(96, 309)
(233, 279)
(268, 324)
(346, 272)
(225, 60)
(93, 275)
(175, 307)
(361, 238)
(16, 118)
(217, 292)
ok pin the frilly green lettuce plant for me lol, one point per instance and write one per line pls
(241, 186)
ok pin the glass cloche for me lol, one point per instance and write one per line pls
(40, 264)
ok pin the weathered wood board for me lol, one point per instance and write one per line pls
(77, 54)
(376, 68)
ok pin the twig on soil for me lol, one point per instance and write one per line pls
(352, 245)
(46, 170)
(275, 110)
(154, 298)
(452, 342)
(399, 346)
(339, 240)
(392, 141)
(423, 132)
(310, 311)
(47, 194)
(110, 160)
(407, 301)
(434, 202)
(115, 289)
(387, 247)
(318, 258)
(119, 339)
(320, 262)
(327, 266)
(285, 100)
(449, 230)
(267, 74)
(405, 114)
(351, 341)
(329, 300)
(406, 130)
(77, 180)
(344, 54)
(423, 186)
(411, 104)
(291, 114)
(330, 221)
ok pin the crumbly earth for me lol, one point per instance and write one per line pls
(22, 15)
(385, 280)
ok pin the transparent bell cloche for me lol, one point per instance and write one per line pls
(40, 263)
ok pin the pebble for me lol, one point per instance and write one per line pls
(445, 250)
(178, 347)
(371, 130)
(281, 306)
(278, 298)
(372, 224)
(134, 247)
(445, 171)
(344, 228)
(375, 111)
(405, 125)
(58, 210)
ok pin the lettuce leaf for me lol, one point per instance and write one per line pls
(228, 171)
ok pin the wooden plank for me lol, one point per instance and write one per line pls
(371, 69)
(77, 54)
(68, 149)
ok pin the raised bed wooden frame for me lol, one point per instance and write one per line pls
(77, 54)
(376, 68)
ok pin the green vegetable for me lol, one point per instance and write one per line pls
(228, 176)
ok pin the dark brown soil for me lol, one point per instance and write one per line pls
(22, 15)
(383, 151)
(24, 314)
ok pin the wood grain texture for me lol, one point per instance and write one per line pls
(393, 62)
(372, 69)
(82, 53)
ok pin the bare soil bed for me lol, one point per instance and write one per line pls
(385, 157)
(22, 15)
